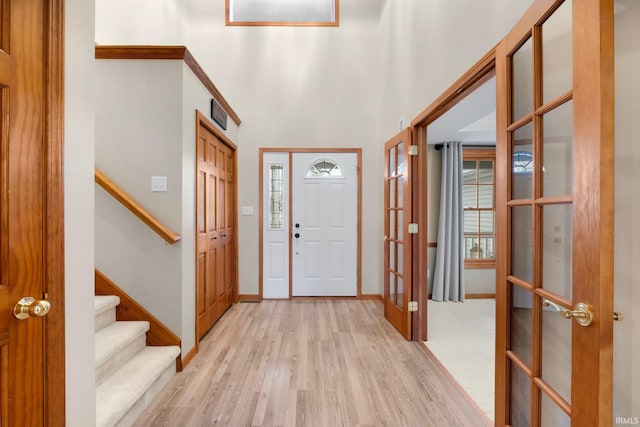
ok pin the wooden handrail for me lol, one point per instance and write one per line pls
(110, 187)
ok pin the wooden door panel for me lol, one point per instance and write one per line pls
(215, 195)
(398, 245)
(567, 200)
(31, 233)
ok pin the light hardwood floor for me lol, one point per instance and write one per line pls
(309, 363)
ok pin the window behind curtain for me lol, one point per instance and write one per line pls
(479, 207)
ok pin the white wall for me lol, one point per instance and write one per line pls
(427, 45)
(139, 134)
(627, 205)
(158, 22)
(299, 87)
(79, 214)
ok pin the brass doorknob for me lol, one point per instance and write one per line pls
(582, 312)
(29, 307)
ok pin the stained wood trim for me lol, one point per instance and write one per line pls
(593, 187)
(519, 282)
(168, 52)
(456, 385)
(261, 225)
(249, 298)
(335, 23)
(551, 393)
(480, 264)
(54, 326)
(128, 202)
(421, 194)
(523, 121)
(480, 296)
(475, 77)
(554, 103)
(432, 244)
(503, 257)
(377, 297)
(128, 309)
(189, 356)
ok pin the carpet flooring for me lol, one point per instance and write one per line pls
(462, 337)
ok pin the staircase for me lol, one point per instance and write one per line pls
(129, 374)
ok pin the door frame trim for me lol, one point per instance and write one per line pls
(473, 78)
(291, 151)
(54, 325)
(203, 120)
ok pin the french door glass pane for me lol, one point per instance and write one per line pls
(392, 224)
(400, 191)
(400, 293)
(520, 398)
(522, 163)
(521, 305)
(557, 53)
(400, 214)
(400, 169)
(558, 151)
(551, 414)
(392, 161)
(522, 89)
(522, 243)
(556, 253)
(392, 255)
(556, 352)
(392, 286)
(392, 193)
(399, 267)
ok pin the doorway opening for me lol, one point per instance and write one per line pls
(461, 289)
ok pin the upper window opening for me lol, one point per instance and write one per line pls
(322, 168)
(282, 12)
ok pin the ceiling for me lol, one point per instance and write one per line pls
(472, 120)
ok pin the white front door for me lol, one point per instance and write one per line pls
(324, 224)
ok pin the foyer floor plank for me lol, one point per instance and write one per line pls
(308, 363)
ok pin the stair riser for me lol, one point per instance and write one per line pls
(105, 318)
(138, 408)
(118, 359)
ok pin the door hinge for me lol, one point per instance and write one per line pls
(413, 150)
(413, 228)
(413, 306)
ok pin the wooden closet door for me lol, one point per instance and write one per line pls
(216, 263)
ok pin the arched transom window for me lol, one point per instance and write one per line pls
(322, 168)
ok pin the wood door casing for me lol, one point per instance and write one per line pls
(216, 257)
(31, 211)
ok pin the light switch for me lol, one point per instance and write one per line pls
(246, 210)
(158, 183)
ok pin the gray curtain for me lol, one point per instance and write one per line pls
(448, 278)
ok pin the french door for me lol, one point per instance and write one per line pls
(555, 216)
(397, 240)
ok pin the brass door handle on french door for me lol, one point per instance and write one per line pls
(582, 312)
(29, 307)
